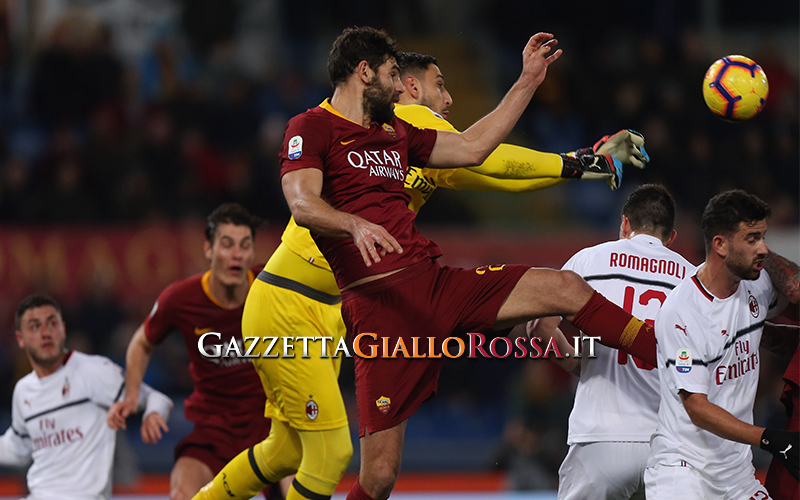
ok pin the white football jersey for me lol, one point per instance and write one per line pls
(617, 396)
(710, 346)
(59, 421)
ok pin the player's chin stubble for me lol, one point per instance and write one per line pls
(377, 102)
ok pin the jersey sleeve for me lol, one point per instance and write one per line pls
(305, 143)
(16, 446)
(153, 401)
(420, 144)
(160, 322)
(106, 381)
(466, 179)
(683, 350)
(576, 264)
(515, 162)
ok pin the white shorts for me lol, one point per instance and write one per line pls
(604, 471)
(666, 482)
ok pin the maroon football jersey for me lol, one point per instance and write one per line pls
(227, 390)
(363, 173)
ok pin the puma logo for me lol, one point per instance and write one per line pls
(682, 328)
(785, 456)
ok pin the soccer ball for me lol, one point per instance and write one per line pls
(735, 88)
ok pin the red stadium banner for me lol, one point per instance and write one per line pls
(136, 263)
(131, 263)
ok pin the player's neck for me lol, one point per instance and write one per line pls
(715, 276)
(348, 100)
(43, 370)
(230, 296)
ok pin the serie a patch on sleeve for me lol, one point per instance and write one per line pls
(295, 147)
(683, 360)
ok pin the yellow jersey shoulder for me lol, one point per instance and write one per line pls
(422, 117)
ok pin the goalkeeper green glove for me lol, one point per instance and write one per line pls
(626, 145)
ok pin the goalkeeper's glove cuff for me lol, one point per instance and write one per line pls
(785, 447)
(592, 167)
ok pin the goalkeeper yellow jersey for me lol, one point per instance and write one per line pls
(509, 168)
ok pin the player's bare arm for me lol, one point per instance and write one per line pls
(714, 419)
(137, 358)
(476, 143)
(785, 278)
(547, 328)
(302, 189)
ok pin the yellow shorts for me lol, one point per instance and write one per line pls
(301, 391)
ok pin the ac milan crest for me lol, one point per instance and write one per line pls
(753, 303)
(312, 410)
(65, 389)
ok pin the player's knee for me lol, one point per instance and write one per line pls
(573, 288)
(342, 455)
(382, 476)
(277, 465)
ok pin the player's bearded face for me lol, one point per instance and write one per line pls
(748, 251)
(378, 101)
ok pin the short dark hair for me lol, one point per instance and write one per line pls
(31, 302)
(725, 211)
(414, 63)
(651, 209)
(231, 213)
(358, 44)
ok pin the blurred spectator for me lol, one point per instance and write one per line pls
(534, 440)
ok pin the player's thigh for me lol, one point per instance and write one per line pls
(747, 488)
(670, 482)
(304, 388)
(544, 292)
(187, 477)
(605, 470)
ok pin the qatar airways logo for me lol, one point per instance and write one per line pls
(51, 437)
(380, 163)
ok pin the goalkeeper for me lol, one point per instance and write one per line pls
(296, 292)
(509, 168)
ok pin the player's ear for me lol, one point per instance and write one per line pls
(411, 85)
(207, 249)
(720, 245)
(624, 228)
(20, 342)
(364, 72)
(672, 236)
